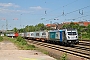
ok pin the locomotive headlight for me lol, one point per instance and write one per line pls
(69, 41)
(68, 37)
(76, 36)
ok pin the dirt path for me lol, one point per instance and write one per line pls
(8, 51)
(7, 45)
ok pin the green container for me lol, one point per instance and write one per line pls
(52, 35)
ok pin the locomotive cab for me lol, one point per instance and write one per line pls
(71, 36)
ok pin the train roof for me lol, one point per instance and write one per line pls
(55, 30)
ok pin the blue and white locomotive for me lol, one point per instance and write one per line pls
(64, 36)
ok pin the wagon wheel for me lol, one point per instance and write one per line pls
(42, 39)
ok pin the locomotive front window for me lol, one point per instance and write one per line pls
(56, 35)
(37, 34)
(32, 34)
(43, 33)
(72, 33)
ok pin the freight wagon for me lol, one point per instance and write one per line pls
(12, 34)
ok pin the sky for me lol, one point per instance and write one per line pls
(20, 13)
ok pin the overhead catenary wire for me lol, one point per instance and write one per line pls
(82, 16)
(78, 17)
(45, 12)
(67, 5)
(76, 10)
(64, 6)
(71, 12)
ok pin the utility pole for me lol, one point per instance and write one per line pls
(50, 22)
(2, 27)
(21, 21)
(6, 25)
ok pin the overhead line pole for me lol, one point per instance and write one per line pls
(6, 25)
(71, 12)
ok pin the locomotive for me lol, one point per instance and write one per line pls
(64, 36)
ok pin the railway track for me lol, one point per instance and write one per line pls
(84, 43)
(82, 47)
(76, 50)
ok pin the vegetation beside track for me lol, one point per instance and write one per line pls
(21, 43)
(1, 38)
(64, 56)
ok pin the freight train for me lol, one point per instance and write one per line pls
(64, 36)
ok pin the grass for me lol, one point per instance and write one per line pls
(21, 43)
(1, 38)
(43, 51)
(64, 57)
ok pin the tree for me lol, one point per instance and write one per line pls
(31, 28)
(88, 31)
(15, 30)
(71, 25)
(65, 26)
(40, 26)
(21, 30)
(27, 28)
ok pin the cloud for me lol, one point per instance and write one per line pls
(23, 11)
(8, 5)
(2, 10)
(36, 8)
(6, 10)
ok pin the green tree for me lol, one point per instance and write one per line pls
(71, 25)
(88, 31)
(15, 30)
(65, 26)
(21, 30)
(31, 28)
(27, 28)
(40, 26)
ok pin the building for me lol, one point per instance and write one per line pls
(59, 26)
(81, 23)
(53, 26)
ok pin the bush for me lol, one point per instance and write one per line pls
(22, 43)
(1, 38)
(64, 57)
(19, 38)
